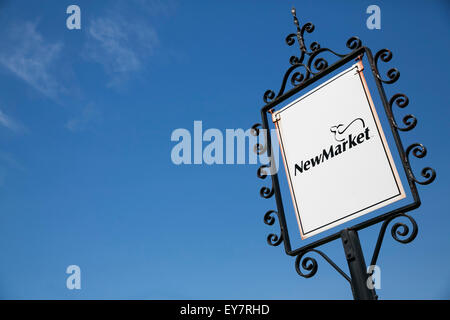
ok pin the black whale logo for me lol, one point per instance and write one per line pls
(340, 129)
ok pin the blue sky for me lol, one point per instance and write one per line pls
(86, 176)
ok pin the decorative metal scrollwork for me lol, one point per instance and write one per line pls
(269, 95)
(354, 43)
(312, 65)
(258, 148)
(261, 173)
(419, 151)
(402, 230)
(393, 74)
(254, 130)
(398, 230)
(266, 193)
(309, 264)
(273, 239)
(409, 120)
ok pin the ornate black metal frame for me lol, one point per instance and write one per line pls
(314, 68)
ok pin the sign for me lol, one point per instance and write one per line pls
(336, 157)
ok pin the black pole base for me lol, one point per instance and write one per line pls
(357, 266)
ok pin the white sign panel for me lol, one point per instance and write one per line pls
(336, 157)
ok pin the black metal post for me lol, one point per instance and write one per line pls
(357, 266)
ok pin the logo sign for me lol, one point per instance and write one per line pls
(336, 157)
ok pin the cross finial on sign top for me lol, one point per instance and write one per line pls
(299, 32)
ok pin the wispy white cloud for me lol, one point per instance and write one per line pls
(26, 54)
(120, 46)
(81, 122)
(9, 123)
(8, 160)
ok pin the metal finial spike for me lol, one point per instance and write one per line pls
(299, 33)
(294, 14)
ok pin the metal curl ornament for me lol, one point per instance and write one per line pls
(259, 148)
(320, 64)
(308, 27)
(261, 173)
(268, 218)
(310, 265)
(398, 229)
(273, 239)
(269, 95)
(297, 78)
(290, 39)
(314, 46)
(254, 130)
(419, 151)
(393, 74)
(402, 230)
(294, 60)
(409, 120)
(266, 193)
(354, 43)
